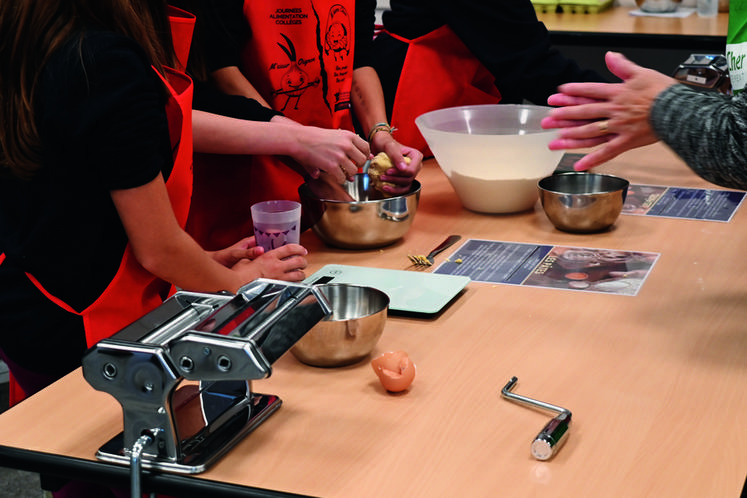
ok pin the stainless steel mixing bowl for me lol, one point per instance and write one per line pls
(358, 216)
(350, 334)
(582, 202)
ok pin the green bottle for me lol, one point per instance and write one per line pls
(736, 44)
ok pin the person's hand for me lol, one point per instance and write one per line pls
(244, 249)
(334, 153)
(402, 175)
(284, 263)
(615, 115)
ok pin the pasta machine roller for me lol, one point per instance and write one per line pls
(182, 373)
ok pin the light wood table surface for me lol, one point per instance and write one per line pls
(657, 383)
(619, 20)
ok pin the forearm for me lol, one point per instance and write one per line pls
(216, 134)
(707, 130)
(163, 248)
(368, 98)
(179, 252)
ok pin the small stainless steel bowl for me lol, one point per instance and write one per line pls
(582, 202)
(361, 218)
(350, 334)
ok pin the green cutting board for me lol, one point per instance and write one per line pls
(408, 291)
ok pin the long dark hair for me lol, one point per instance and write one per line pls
(31, 31)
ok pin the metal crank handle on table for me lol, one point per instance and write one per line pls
(553, 435)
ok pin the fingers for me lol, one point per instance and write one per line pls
(284, 263)
(294, 276)
(395, 191)
(551, 122)
(583, 130)
(362, 150)
(577, 143)
(399, 178)
(354, 153)
(593, 159)
(615, 146)
(254, 252)
(590, 92)
(289, 250)
(348, 169)
(416, 161)
(620, 66)
(562, 99)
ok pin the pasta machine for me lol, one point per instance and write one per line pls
(182, 373)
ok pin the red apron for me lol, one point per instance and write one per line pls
(300, 59)
(439, 71)
(133, 291)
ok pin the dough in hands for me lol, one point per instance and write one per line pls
(379, 166)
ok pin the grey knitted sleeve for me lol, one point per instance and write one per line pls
(708, 130)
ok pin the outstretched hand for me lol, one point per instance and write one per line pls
(613, 115)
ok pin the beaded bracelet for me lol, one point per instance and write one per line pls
(379, 127)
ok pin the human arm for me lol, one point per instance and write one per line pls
(613, 115)
(164, 249)
(706, 129)
(368, 104)
(316, 149)
(367, 98)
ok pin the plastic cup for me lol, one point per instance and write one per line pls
(276, 223)
(707, 8)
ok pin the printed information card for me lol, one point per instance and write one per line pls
(673, 202)
(559, 267)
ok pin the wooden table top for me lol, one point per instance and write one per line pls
(657, 383)
(619, 20)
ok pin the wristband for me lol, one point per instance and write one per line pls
(379, 127)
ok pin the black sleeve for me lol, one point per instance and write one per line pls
(220, 29)
(98, 102)
(211, 100)
(365, 17)
(515, 47)
(227, 29)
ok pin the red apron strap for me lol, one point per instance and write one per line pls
(182, 26)
(15, 393)
(439, 71)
